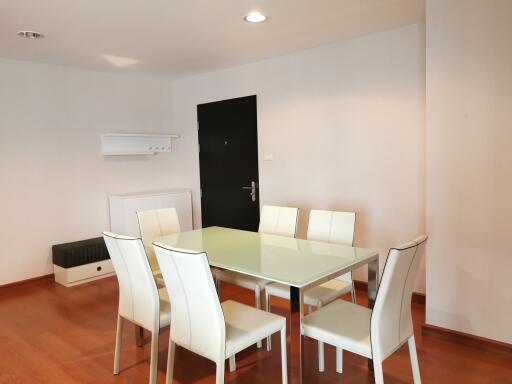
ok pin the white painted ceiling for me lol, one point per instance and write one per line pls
(183, 37)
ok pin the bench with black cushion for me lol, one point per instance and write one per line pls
(81, 261)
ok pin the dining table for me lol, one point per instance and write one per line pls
(298, 263)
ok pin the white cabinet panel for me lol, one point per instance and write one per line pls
(123, 208)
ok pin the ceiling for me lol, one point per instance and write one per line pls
(178, 38)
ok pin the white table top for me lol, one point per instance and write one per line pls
(295, 262)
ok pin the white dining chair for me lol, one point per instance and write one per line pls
(139, 298)
(331, 227)
(376, 333)
(200, 323)
(153, 224)
(273, 220)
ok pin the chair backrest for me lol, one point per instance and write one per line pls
(158, 222)
(279, 220)
(155, 223)
(332, 227)
(138, 293)
(391, 323)
(196, 316)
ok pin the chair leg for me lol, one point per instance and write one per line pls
(257, 297)
(339, 360)
(257, 294)
(284, 368)
(232, 363)
(267, 308)
(217, 285)
(153, 366)
(378, 372)
(219, 377)
(119, 338)
(139, 335)
(414, 360)
(321, 359)
(353, 293)
(170, 362)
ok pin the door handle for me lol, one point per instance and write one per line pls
(252, 188)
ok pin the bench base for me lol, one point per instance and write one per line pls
(83, 273)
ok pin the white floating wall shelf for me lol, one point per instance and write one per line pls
(135, 143)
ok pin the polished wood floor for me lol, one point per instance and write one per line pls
(52, 334)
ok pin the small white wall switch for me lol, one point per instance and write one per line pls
(268, 157)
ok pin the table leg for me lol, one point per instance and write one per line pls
(296, 342)
(373, 285)
(139, 335)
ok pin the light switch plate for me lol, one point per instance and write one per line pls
(268, 157)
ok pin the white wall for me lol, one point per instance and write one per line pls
(469, 173)
(345, 124)
(54, 182)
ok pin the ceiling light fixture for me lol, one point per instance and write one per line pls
(120, 61)
(255, 17)
(30, 35)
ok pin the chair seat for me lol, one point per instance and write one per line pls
(246, 325)
(241, 280)
(317, 296)
(341, 324)
(165, 307)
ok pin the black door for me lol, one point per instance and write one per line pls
(228, 160)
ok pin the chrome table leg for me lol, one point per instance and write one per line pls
(296, 338)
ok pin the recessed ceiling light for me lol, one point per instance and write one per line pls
(255, 17)
(30, 34)
(120, 61)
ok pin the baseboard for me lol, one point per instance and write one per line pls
(417, 298)
(468, 340)
(27, 281)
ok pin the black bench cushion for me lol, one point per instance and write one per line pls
(79, 252)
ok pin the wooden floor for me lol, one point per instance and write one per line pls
(52, 334)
